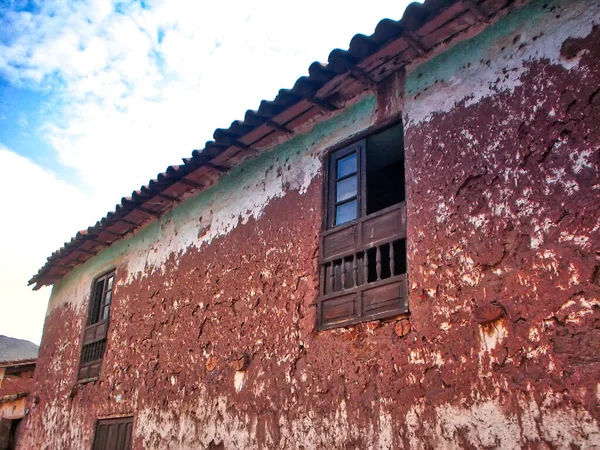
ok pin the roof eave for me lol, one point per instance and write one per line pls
(369, 59)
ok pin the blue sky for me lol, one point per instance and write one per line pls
(98, 96)
(22, 113)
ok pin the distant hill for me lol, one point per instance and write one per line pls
(12, 349)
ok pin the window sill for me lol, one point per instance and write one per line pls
(87, 380)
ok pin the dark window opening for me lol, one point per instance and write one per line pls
(383, 262)
(366, 177)
(385, 169)
(363, 249)
(10, 433)
(101, 298)
(96, 302)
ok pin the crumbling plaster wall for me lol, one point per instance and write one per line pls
(503, 160)
(502, 152)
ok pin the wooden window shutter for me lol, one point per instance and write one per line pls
(96, 331)
(363, 269)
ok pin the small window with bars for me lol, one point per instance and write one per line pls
(96, 330)
(363, 247)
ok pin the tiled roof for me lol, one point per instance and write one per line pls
(368, 60)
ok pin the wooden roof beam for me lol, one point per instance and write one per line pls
(414, 42)
(87, 252)
(106, 230)
(148, 212)
(168, 197)
(217, 168)
(191, 183)
(328, 106)
(363, 77)
(279, 127)
(128, 222)
(243, 146)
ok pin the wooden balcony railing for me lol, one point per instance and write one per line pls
(92, 351)
(363, 269)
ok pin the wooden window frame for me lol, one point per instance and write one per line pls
(107, 436)
(356, 241)
(333, 158)
(94, 340)
(100, 298)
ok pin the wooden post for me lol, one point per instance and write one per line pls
(392, 260)
(378, 262)
(331, 277)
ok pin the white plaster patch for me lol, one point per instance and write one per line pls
(474, 83)
(539, 230)
(436, 359)
(227, 208)
(491, 336)
(581, 160)
(443, 213)
(238, 381)
(415, 357)
(534, 334)
(490, 424)
(579, 240)
(493, 426)
(559, 176)
(386, 431)
(75, 292)
(535, 352)
(548, 262)
(576, 309)
(469, 279)
(478, 221)
(574, 275)
(56, 423)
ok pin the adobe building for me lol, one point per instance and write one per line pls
(402, 251)
(16, 380)
(17, 364)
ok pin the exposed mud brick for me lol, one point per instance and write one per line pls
(402, 327)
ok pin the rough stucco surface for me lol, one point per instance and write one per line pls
(15, 383)
(503, 182)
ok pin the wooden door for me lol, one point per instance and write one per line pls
(113, 434)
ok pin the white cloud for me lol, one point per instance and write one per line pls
(38, 216)
(134, 91)
(118, 86)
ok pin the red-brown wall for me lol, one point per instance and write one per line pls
(502, 198)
